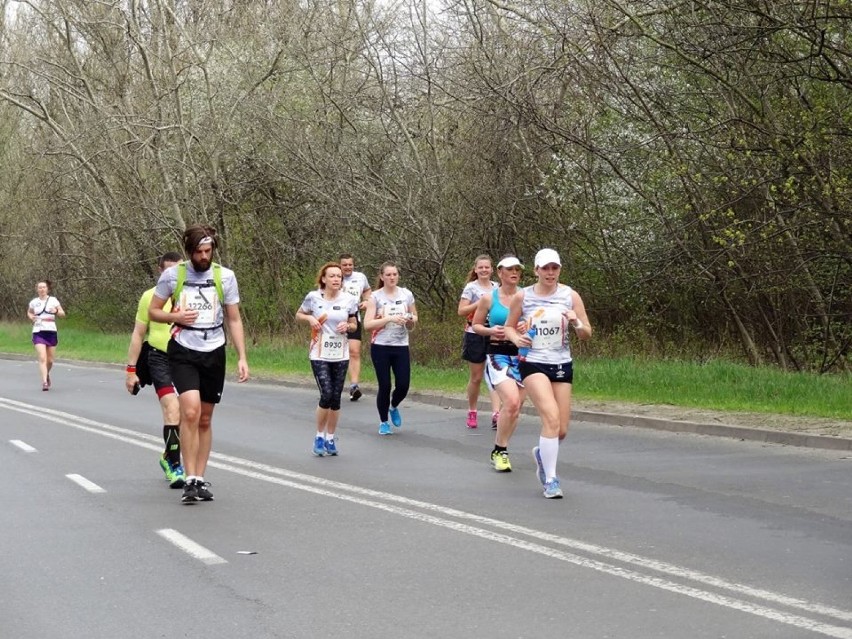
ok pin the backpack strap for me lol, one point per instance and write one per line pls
(181, 280)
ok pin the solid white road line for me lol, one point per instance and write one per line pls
(22, 445)
(190, 547)
(368, 497)
(91, 486)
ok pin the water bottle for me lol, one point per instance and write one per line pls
(524, 350)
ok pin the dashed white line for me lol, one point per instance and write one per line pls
(190, 547)
(377, 499)
(22, 445)
(91, 486)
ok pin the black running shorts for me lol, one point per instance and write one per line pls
(198, 370)
(474, 348)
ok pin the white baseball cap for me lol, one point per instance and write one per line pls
(509, 262)
(547, 256)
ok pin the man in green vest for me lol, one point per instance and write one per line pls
(150, 340)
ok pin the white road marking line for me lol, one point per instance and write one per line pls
(337, 490)
(22, 445)
(190, 547)
(91, 486)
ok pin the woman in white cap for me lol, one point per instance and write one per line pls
(548, 308)
(501, 364)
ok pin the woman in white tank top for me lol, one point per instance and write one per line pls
(548, 309)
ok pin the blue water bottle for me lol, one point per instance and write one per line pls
(524, 350)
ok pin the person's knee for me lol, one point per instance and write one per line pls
(511, 406)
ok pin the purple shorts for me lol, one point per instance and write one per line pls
(48, 338)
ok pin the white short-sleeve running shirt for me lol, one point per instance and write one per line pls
(207, 333)
(44, 321)
(392, 334)
(327, 344)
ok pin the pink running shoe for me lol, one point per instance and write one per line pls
(471, 419)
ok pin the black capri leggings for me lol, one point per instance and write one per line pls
(387, 359)
(330, 377)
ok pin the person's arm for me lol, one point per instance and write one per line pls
(180, 316)
(578, 318)
(511, 328)
(57, 310)
(140, 329)
(365, 295)
(466, 307)
(371, 322)
(31, 314)
(479, 317)
(412, 318)
(235, 332)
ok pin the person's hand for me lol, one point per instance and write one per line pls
(186, 316)
(343, 327)
(242, 371)
(498, 332)
(130, 381)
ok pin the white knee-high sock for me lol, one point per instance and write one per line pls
(549, 449)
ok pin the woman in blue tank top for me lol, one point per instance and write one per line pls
(501, 364)
(548, 308)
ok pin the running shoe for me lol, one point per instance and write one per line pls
(45, 386)
(202, 491)
(384, 429)
(190, 492)
(396, 418)
(500, 461)
(494, 418)
(166, 467)
(354, 394)
(539, 466)
(552, 490)
(176, 476)
(471, 419)
(330, 447)
(319, 446)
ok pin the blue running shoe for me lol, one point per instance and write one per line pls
(176, 476)
(552, 490)
(319, 446)
(330, 447)
(539, 466)
(384, 429)
(396, 418)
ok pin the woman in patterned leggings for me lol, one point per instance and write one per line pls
(331, 313)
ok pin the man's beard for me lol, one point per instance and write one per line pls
(200, 265)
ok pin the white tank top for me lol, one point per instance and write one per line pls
(544, 313)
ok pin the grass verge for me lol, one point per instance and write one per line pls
(713, 385)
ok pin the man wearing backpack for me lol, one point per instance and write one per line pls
(205, 297)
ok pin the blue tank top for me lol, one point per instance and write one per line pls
(497, 316)
(498, 313)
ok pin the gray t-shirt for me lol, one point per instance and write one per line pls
(199, 291)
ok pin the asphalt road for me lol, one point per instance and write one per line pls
(659, 535)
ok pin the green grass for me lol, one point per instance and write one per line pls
(715, 385)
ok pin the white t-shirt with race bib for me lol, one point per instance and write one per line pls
(544, 313)
(392, 334)
(328, 345)
(199, 292)
(44, 321)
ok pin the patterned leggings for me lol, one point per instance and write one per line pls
(330, 377)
